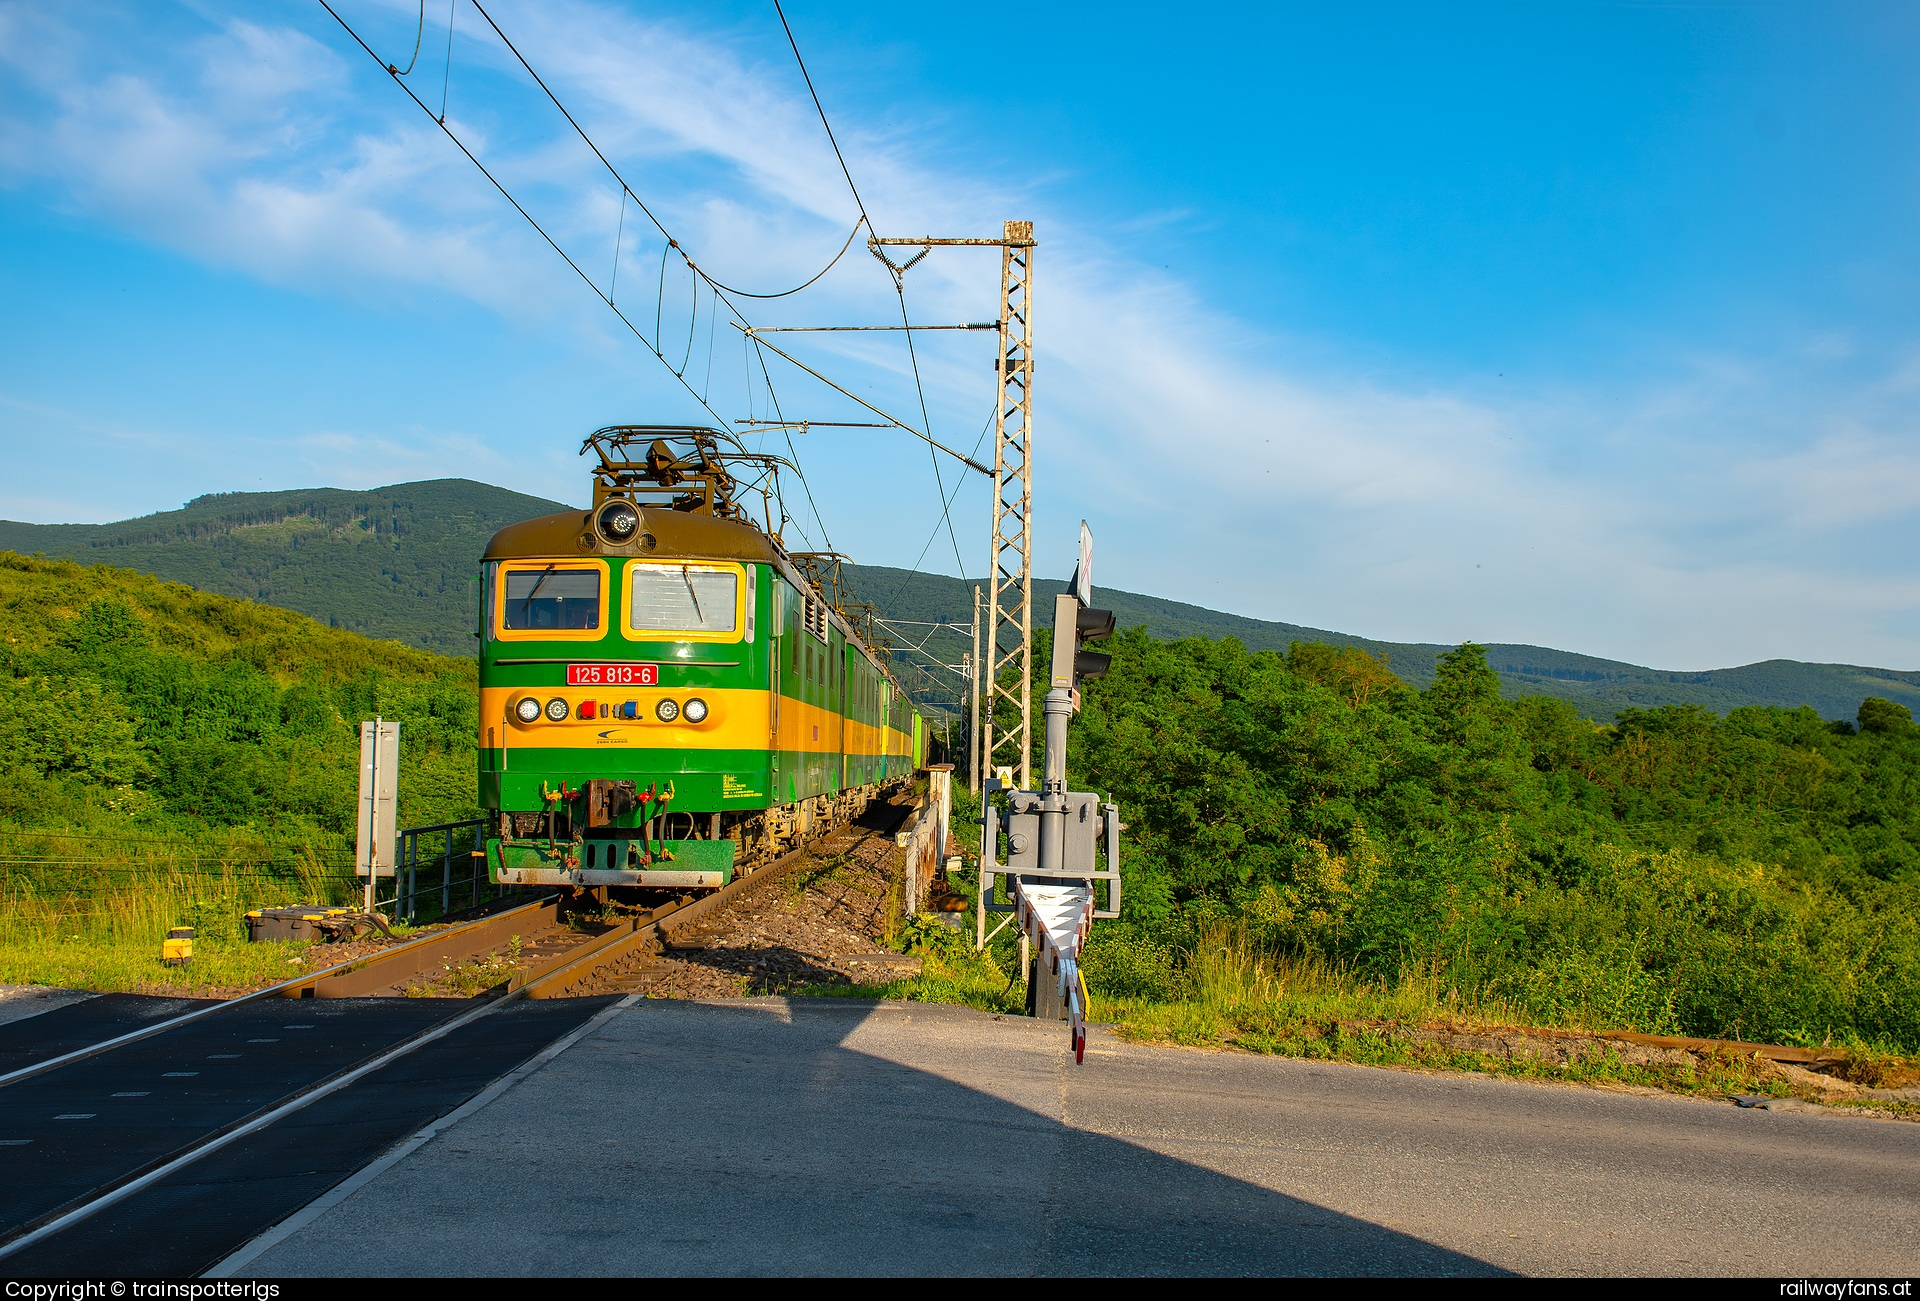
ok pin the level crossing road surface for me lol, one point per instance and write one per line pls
(823, 1136)
(77, 1128)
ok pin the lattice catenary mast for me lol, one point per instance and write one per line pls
(1010, 577)
(1009, 640)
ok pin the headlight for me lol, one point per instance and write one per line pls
(666, 711)
(527, 709)
(557, 710)
(696, 710)
(617, 521)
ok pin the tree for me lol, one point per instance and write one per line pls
(1881, 715)
(1347, 671)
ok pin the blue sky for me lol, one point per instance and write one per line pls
(1588, 325)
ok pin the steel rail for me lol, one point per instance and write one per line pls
(366, 1174)
(553, 979)
(526, 986)
(388, 966)
(283, 989)
(568, 970)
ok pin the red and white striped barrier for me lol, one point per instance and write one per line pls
(1056, 918)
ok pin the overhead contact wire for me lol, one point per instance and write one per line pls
(785, 293)
(720, 291)
(418, 32)
(926, 421)
(901, 586)
(939, 484)
(446, 78)
(619, 233)
(780, 415)
(821, 110)
(530, 219)
(615, 173)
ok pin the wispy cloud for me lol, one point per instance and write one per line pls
(1719, 512)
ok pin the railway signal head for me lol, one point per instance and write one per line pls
(1073, 625)
(1076, 622)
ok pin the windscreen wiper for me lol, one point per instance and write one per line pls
(526, 602)
(698, 613)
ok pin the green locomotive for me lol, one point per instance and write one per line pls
(667, 697)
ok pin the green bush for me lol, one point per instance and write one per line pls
(1123, 961)
(1752, 876)
(173, 758)
(127, 699)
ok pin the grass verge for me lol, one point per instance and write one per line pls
(950, 972)
(95, 920)
(108, 966)
(1235, 996)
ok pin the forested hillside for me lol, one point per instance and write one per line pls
(399, 563)
(1755, 876)
(134, 706)
(395, 563)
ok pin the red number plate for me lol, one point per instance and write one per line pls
(613, 675)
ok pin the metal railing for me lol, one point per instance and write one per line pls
(462, 861)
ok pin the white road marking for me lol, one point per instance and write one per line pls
(259, 1122)
(340, 1192)
(157, 1027)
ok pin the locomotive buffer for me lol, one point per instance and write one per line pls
(1056, 837)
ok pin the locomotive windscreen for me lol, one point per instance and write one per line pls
(683, 598)
(553, 598)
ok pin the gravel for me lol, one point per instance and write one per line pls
(808, 927)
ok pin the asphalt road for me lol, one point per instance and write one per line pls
(803, 1136)
(74, 1129)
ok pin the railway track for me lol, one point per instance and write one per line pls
(160, 1149)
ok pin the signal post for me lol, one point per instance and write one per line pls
(1056, 838)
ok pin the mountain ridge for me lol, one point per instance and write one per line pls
(394, 563)
(1599, 686)
(398, 563)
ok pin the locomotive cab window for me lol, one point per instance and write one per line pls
(669, 602)
(550, 600)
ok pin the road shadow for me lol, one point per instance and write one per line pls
(791, 1153)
